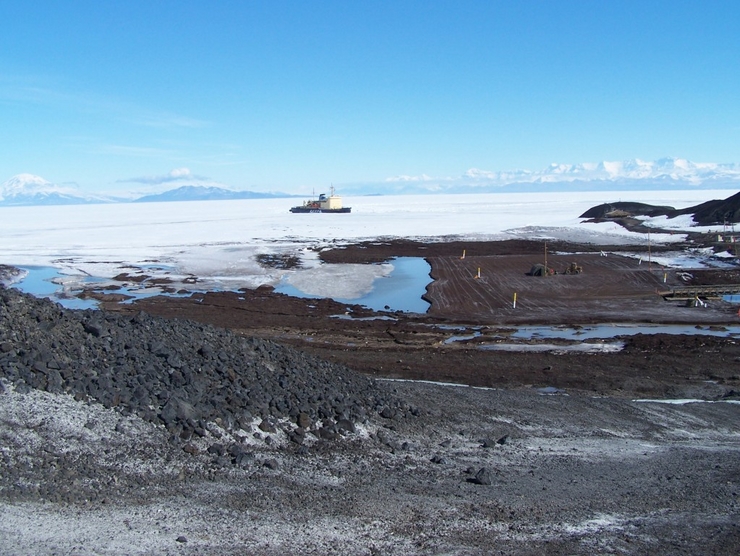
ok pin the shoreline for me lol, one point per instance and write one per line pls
(413, 346)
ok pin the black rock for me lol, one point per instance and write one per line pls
(346, 425)
(482, 477)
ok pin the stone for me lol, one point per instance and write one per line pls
(482, 477)
(346, 425)
(304, 421)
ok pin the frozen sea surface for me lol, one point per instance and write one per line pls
(219, 241)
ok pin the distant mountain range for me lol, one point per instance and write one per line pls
(202, 193)
(27, 189)
(666, 174)
(664, 171)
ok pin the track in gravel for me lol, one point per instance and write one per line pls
(607, 285)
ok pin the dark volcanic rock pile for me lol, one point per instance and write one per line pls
(182, 374)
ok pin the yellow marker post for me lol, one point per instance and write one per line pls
(478, 275)
(463, 255)
(514, 300)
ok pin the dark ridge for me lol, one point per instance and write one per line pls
(718, 211)
(621, 209)
(713, 212)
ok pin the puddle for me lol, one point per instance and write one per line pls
(436, 383)
(687, 401)
(401, 290)
(453, 339)
(580, 336)
(610, 347)
(602, 331)
(46, 281)
(550, 390)
(43, 281)
(350, 317)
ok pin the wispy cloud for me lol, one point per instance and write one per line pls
(45, 91)
(163, 120)
(421, 178)
(128, 150)
(475, 173)
(178, 174)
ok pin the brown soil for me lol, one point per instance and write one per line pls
(411, 346)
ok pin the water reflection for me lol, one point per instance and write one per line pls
(46, 281)
(401, 290)
(602, 331)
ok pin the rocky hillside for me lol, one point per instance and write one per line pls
(717, 211)
(625, 208)
(713, 212)
(184, 375)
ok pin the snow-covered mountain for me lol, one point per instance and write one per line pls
(636, 174)
(672, 169)
(28, 189)
(665, 173)
(676, 170)
(203, 193)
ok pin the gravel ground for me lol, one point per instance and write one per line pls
(133, 434)
(482, 472)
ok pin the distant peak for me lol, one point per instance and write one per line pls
(24, 183)
(32, 189)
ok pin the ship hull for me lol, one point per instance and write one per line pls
(310, 210)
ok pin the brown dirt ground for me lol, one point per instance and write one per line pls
(410, 346)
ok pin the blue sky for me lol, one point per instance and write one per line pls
(292, 96)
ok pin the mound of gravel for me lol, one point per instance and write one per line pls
(184, 375)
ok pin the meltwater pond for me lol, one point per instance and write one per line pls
(604, 331)
(45, 281)
(401, 290)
